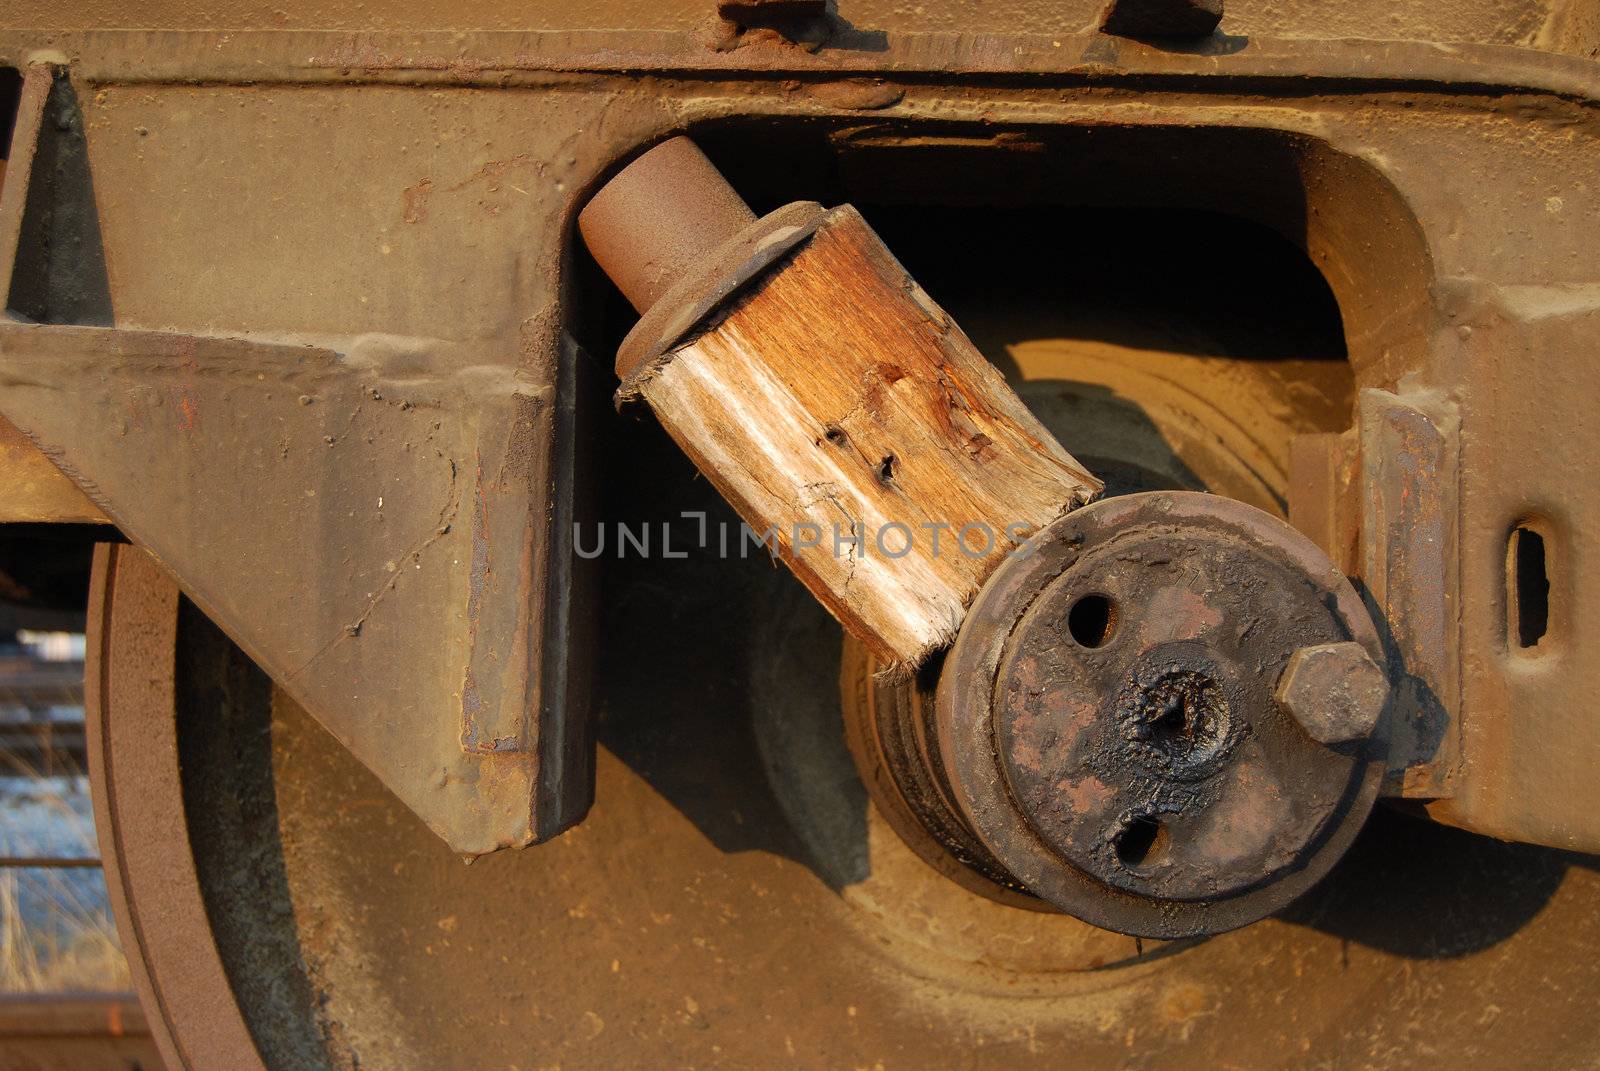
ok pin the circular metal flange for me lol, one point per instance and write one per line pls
(888, 728)
(1108, 724)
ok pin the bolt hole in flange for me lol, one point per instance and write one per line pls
(1092, 621)
(1141, 841)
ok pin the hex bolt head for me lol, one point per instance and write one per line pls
(1335, 691)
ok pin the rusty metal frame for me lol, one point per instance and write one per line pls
(1482, 327)
(384, 510)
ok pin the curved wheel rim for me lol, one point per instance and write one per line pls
(151, 880)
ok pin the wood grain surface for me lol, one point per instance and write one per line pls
(836, 406)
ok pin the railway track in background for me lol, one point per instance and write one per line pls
(75, 1032)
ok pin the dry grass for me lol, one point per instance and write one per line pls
(56, 930)
(76, 951)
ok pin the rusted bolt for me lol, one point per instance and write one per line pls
(1335, 691)
(1161, 18)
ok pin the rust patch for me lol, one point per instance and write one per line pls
(522, 451)
(493, 174)
(854, 94)
(414, 201)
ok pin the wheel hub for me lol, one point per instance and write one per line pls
(1108, 724)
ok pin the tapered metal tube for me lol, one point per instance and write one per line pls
(658, 216)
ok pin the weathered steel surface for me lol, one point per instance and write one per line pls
(373, 530)
(492, 54)
(1529, 747)
(889, 727)
(31, 489)
(1439, 127)
(1546, 24)
(1410, 480)
(1391, 168)
(1108, 724)
(1325, 495)
(382, 521)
